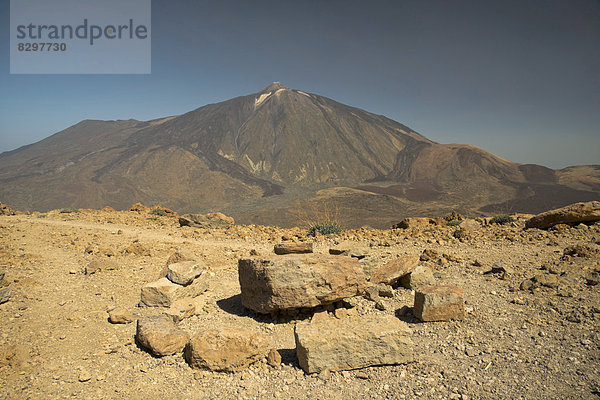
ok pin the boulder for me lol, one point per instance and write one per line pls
(228, 350)
(274, 358)
(588, 212)
(439, 303)
(293, 248)
(294, 281)
(209, 221)
(420, 276)
(352, 342)
(120, 315)
(163, 292)
(159, 335)
(390, 272)
(184, 272)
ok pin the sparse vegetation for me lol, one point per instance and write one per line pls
(69, 210)
(454, 222)
(158, 211)
(325, 228)
(318, 217)
(502, 219)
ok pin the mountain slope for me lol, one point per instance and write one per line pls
(255, 154)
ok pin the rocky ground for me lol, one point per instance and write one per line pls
(532, 331)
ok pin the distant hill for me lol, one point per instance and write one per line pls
(265, 156)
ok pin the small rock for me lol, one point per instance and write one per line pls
(324, 375)
(501, 269)
(5, 294)
(529, 284)
(385, 290)
(160, 335)
(439, 303)
(84, 376)
(429, 255)
(120, 315)
(371, 293)
(274, 358)
(381, 305)
(293, 248)
(138, 249)
(99, 265)
(593, 278)
(362, 375)
(184, 272)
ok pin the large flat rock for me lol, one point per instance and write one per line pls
(587, 212)
(294, 281)
(352, 342)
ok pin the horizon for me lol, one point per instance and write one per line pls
(518, 80)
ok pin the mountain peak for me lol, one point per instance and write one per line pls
(274, 86)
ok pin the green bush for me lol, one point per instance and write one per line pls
(325, 228)
(454, 222)
(502, 219)
(158, 211)
(69, 210)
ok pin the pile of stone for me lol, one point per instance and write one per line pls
(297, 279)
(184, 279)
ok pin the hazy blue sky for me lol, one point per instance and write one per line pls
(520, 78)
